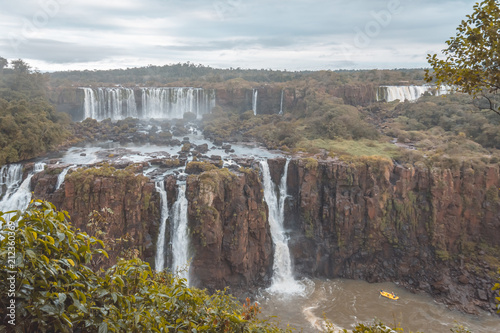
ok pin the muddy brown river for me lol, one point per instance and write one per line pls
(346, 302)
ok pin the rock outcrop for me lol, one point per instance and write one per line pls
(430, 229)
(434, 230)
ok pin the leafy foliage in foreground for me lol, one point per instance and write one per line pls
(56, 291)
(472, 56)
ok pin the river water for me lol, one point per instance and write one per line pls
(347, 302)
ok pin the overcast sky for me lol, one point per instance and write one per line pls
(277, 34)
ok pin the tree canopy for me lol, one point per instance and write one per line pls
(472, 60)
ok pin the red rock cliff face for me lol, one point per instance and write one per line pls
(133, 200)
(434, 230)
(379, 222)
(230, 234)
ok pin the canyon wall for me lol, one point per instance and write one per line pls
(269, 101)
(434, 230)
(429, 229)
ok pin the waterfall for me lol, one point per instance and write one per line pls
(115, 103)
(160, 244)
(180, 236)
(281, 103)
(62, 176)
(172, 103)
(283, 281)
(254, 101)
(18, 196)
(11, 177)
(409, 93)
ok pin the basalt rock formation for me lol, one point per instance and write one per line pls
(431, 229)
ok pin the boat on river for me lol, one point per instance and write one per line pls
(389, 295)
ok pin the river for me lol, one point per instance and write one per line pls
(346, 302)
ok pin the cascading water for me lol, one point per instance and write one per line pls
(281, 102)
(115, 103)
(409, 93)
(254, 101)
(283, 281)
(62, 176)
(174, 102)
(160, 244)
(180, 236)
(18, 196)
(10, 178)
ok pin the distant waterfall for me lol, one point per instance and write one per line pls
(254, 101)
(160, 244)
(180, 236)
(17, 197)
(281, 102)
(174, 102)
(62, 176)
(115, 103)
(409, 93)
(283, 281)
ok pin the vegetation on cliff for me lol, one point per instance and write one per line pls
(57, 291)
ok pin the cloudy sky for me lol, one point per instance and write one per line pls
(277, 34)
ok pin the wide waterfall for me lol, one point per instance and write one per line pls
(283, 281)
(18, 194)
(160, 244)
(409, 93)
(62, 176)
(180, 235)
(165, 103)
(174, 102)
(115, 103)
(255, 94)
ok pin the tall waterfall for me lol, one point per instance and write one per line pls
(174, 102)
(281, 102)
(160, 244)
(180, 236)
(283, 281)
(62, 176)
(254, 101)
(409, 93)
(115, 103)
(18, 197)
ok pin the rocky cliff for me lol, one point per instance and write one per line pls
(430, 229)
(70, 99)
(434, 230)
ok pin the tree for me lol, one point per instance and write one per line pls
(46, 279)
(472, 61)
(3, 63)
(20, 66)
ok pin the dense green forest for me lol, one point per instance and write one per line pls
(29, 124)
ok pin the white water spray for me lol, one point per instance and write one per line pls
(11, 177)
(18, 196)
(409, 93)
(281, 103)
(180, 236)
(160, 244)
(283, 281)
(254, 101)
(62, 176)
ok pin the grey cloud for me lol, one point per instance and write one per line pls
(52, 51)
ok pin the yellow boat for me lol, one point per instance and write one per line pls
(392, 296)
